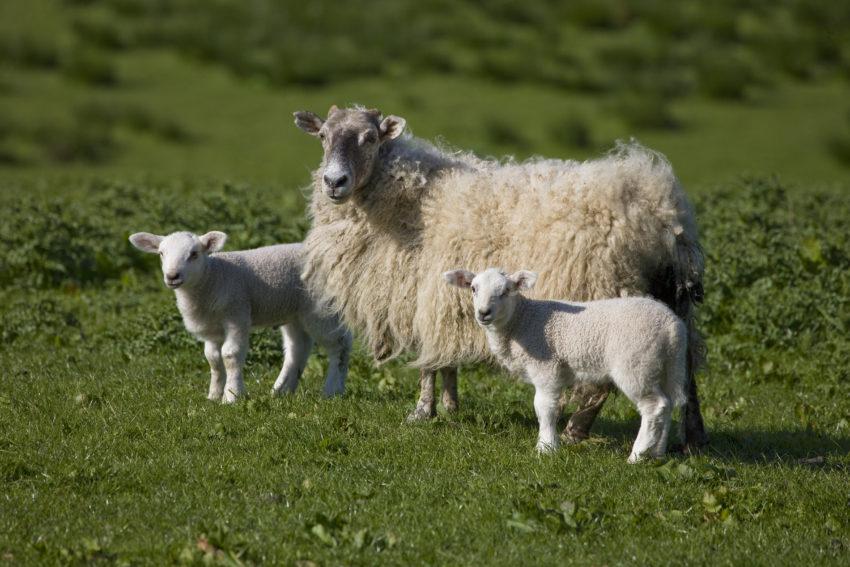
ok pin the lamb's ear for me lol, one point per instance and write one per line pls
(459, 278)
(146, 242)
(391, 127)
(523, 279)
(213, 241)
(308, 121)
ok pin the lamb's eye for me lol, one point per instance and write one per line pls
(322, 136)
(368, 138)
(474, 289)
(504, 292)
(193, 255)
(160, 253)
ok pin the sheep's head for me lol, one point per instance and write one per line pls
(351, 138)
(494, 293)
(183, 254)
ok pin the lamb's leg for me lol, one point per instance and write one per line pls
(218, 373)
(655, 418)
(450, 401)
(547, 408)
(296, 350)
(339, 351)
(425, 408)
(234, 350)
(590, 399)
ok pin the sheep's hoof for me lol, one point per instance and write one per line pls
(572, 437)
(421, 413)
(450, 406)
(546, 448)
(214, 396)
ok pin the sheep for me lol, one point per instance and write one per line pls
(391, 212)
(222, 295)
(635, 343)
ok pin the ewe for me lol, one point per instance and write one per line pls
(636, 343)
(222, 296)
(392, 212)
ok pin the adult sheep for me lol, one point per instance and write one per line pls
(391, 213)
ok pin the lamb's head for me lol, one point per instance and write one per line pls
(494, 293)
(183, 254)
(351, 138)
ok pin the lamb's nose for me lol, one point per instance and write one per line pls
(485, 312)
(172, 275)
(335, 182)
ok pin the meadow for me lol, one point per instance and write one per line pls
(122, 115)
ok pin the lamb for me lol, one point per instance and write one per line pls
(221, 296)
(636, 343)
(391, 213)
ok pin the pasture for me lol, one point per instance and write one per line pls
(109, 451)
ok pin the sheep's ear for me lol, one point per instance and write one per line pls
(308, 121)
(391, 127)
(213, 241)
(459, 278)
(146, 242)
(523, 279)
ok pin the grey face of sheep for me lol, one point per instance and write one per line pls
(351, 139)
(494, 293)
(183, 254)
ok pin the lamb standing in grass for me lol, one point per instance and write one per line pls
(222, 296)
(638, 344)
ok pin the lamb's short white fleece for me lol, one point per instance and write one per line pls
(636, 343)
(221, 296)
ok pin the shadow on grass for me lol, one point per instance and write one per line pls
(796, 447)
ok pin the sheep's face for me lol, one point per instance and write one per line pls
(183, 254)
(494, 293)
(351, 138)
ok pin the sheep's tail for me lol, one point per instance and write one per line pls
(690, 293)
(680, 286)
(676, 380)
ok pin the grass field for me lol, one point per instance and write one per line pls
(112, 121)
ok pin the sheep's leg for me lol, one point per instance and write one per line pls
(425, 408)
(233, 351)
(694, 435)
(590, 399)
(547, 408)
(450, 401)
(655, 418)
(339, 351)
(296, 350)
(218, 373)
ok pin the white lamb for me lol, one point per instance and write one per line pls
(222, 296)
(636, 343)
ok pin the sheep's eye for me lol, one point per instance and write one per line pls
(193, 255)
(504, 292)
(322, 135)
(474, 289)
(368, 138)
(160, 253)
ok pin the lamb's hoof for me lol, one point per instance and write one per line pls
(421, 413)
(231, 397)
(546, 448)
(214, 396)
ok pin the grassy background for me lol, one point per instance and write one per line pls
(126, 115)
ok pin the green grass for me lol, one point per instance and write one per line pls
(110, 451)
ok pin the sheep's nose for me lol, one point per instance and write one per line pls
(172, 275)
(335, 182)
(485, 312)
